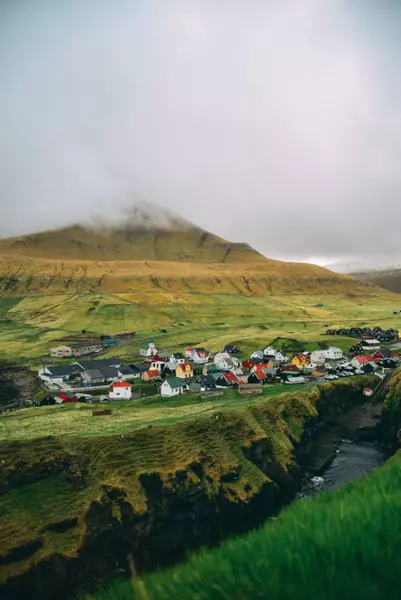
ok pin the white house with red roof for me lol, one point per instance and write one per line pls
(200, 356)
(188, 352)
(120, 390)
(361, 360)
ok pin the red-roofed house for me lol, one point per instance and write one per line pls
(66, 397)
(248, 364)
(258, 376)
(188, 352)
(226, 379)
(200, 356)
(120, 390)
(151, 375)
(359, 361)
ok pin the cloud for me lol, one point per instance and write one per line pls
(272, 123)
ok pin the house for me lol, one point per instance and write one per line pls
(120, 390)
(77, 349)
(93, 376)
(319, 357)
(257, 354)
(158, 363)
(285, 370)
(257, 377)
(226, 379)
(230, 349)
(381, 354)
(98, 363)
(171, 387)
(224, 361)
(269, 351)
(370, 345)
(200, 356)
(300, 360)
(59, 374)
(110, 373)
(280, 358)
(138, 369)
(65, 397)
(151, 375)
(358, 361)
(248, 364)
(127, 372)
(268, 368)
(177, 357)
(207, 382)
(184, 371)
(188, 352)
(148, 349)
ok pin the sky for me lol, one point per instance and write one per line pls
(273, 123)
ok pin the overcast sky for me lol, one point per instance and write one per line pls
(272, 122)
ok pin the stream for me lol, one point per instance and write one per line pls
(353, 460)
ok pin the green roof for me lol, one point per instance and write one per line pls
(175, 382)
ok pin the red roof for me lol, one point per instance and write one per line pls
(159, 358)
(183, 365)
(202, 353)
(153, 373)
(362, 359)
(247, 364)
(230, 377)
(121, 384)
(260, 374)
(189, 349)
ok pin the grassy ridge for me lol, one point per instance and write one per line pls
(46, 480)
(339, 544)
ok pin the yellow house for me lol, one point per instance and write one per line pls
(184, 371)
(300, 360)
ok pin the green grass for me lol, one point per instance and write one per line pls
(339, 544)
(30, 326)
(54, 465)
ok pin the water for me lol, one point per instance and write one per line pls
(353, 461)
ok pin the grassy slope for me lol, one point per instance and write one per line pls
(56, 463)
(30, 325)
(389, 279)
(341, 544)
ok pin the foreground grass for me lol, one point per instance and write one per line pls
(341, 544)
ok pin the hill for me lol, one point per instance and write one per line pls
(389, 279)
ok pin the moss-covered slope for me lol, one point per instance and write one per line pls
(74, 505)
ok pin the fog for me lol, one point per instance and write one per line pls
(274, 123)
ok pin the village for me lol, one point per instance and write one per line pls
(196, 370)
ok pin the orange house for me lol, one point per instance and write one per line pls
(300, 360)
(184, 371)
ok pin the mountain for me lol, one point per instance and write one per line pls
(382, 271)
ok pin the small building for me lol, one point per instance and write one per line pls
(177, 357)
(226, 379)
(370, 345)
(292, 379)
(151, 375)
(194, 387)
(110, 373)
(224, 361)
(300, 360)
(207, 382)
(120, 390)
(93, 376)
(211, 368)
(258, 376)
(171, 387)
(200, 356)
(66, 397)
(59, 374)
(184, 371)
(148, 349)
(231, 349)
(269, 352)
(157, 362)
(367, 391)
(257, 354)
(249, 388)
(98, 363)
(188, 352)
(127, 372)
(76, 349)
(359, 361)
(280, 358)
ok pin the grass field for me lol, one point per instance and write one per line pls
(30, 325)
(128, 415)
(339, 544)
